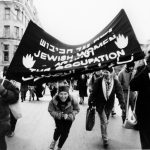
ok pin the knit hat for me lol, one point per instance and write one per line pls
(63, 88)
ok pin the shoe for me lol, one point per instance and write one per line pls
(113, 113)
(52, 145)
(80, 102)
(105, 143)
(58, 148)
(10, 134)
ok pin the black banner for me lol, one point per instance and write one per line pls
(40, 54)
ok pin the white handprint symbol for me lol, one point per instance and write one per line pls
(28, 61)
(122, 41)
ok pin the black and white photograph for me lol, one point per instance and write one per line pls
(74, 74)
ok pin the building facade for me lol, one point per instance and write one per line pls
(14, 18)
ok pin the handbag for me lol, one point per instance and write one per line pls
(16, 110)
(90, 118)
(131, 119)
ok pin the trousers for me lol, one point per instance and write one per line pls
(61, 131)
(145, 138)
(4, 128)
(104, 117)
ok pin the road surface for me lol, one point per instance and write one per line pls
(35, 129)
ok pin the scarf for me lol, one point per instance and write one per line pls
(107, 85)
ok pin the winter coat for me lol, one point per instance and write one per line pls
(57, 108)
(97, 97)
(11, 97)
(124, 78)
(82, 86)
(141, 83)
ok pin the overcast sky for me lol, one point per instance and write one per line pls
(77, 21)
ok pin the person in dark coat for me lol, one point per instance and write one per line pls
(141, 84)
(13, 120)
(103, 97)
(124, 76)
(8, 95)
(82, 87)
(92, 79)
(39, 90)
(63, 108)
(23, 91)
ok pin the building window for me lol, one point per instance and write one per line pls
(22, 16)
(16, 32)
(7, 13)
(17, 14)
(22, 32)
(25, 21)
(6, 31)
(6, 53)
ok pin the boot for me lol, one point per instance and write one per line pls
(105, 143)
(52, 145)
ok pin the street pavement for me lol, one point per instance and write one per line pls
(34, 131)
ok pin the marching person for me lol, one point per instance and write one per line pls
(13, 120)
(124, 76)
(82, 87)
(31, 92)
(141, 83)
(63, 108)
(92, 79)
(53, 88)
(23, 91)
(38, 90)
(103, 97)
(9, 94)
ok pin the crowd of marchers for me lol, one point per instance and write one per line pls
(130, 84)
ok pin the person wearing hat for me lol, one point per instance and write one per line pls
(125, 76)
(63, 108)
(103, 97)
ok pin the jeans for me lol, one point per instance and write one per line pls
(132, 98)
(61, 131)
(4, 128)
(104, 123)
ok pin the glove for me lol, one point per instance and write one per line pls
(59, 115)
(3, 91)
(71, 117)
(64, 116)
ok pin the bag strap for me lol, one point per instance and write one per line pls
(135, 103)
(127, 106)
(128, 97)
(3, 80)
